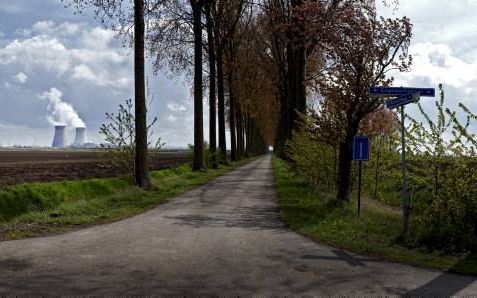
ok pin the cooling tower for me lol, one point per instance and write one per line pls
(59, 138)
(80, 137)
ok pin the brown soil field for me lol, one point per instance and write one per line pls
(20, 166)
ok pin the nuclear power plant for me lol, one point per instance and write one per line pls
(59, 138)
(80, 138)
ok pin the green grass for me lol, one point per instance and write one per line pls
(34, 209)
(311, 213)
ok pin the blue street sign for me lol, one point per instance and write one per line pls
(360, 148)
(390, 91)
(401, 100)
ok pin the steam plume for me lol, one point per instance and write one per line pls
(59, 111)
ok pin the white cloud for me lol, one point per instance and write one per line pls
(439, 63)
(42, 52)
(176, 108)
(94, 60)
(83, 72)
(21, 77)
(98, 38)
(171, 118)
(43, 27)
(51, 29)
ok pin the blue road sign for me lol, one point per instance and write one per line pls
(360, 148)
(401, 100)
(390, 91)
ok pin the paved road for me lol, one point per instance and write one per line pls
(222, 238)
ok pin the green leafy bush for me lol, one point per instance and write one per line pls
(450, 221)
(119, 133)
(312, 161)
(441, 163)
(447, 217)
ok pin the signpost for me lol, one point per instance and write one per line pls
(405, 96)
(360, 153)
(397, 91)
(401, 100)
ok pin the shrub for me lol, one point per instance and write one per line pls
(450, 222)
(311, 160)
(120, 133)
(445, 158)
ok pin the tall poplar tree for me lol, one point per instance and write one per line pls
(198, 162)
(121, 17)
(212, 79)
(141, 164)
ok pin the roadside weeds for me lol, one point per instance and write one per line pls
(41, 209)
(309, 212)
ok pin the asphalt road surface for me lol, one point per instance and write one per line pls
(223, 238)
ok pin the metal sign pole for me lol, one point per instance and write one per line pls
(404, 96)
(405, 195)
(359, 189)
(360, 153)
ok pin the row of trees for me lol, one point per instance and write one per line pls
(260, 63)
(335, 50)
(171, 32)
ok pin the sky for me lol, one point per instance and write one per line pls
(444, 50)
(57, 66)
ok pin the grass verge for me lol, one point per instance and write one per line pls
(309, 212)
(38, 209)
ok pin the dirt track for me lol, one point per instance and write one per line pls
(54, 165)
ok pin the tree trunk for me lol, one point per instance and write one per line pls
(344, 164)
(247, 135)
(198, 163)
(284, 123)
(376, 178)
(300, 61)
(141, 172)
(296, 60)
(212, 77)
(221, 105)
(233, 134)
(239, 125)
(296, 84)
(335, 165)
(291, 93)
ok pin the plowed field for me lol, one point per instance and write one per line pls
(54, 165)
